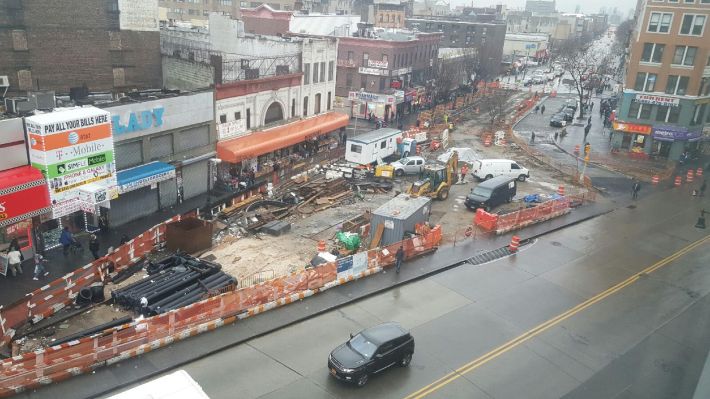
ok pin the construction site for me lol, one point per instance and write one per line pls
(321, 228)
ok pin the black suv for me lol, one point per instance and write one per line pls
(370, 351)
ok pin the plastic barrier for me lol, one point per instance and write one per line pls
(56, 363)
(485, 220)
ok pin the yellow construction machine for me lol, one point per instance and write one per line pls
(437, 180)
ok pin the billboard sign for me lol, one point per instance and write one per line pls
(72, 147)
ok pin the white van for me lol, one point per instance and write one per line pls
(485, 169)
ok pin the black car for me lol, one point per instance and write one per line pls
(370, 351)
(558, 120)
(492, 193)
(571, 104)
(568, 113)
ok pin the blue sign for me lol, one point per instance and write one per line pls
(138, 121)
(675, 133)
(345, 264)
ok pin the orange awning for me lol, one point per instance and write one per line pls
(264, 142)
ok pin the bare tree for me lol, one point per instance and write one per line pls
(494, 103)
(580, 64)
(445, 80)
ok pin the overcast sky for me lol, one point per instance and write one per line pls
(587, 6)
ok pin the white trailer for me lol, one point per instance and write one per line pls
(371, 147)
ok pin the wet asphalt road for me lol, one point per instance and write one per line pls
(646, 339)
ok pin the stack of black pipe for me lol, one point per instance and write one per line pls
(172, 283)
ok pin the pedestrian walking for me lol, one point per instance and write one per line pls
(399, 257)
(586, 131)
(464, 171)
(40, 270)
(537, 108)
(66, 238)
(532, 137)
(14, 262)
(635, 188)
(589, 121)
(94, 246)
(702, 188)
(701, 220)
(542, 110)
(556, 135)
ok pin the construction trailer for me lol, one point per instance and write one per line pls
(372, 147)
(392, 221)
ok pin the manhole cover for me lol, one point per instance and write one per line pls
(631, 206)
(556, 244)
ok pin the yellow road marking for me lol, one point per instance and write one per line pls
(468, 367)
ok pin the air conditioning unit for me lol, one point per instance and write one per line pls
(251, 73)
(4, 81)
(45, 99)
(25, 107)
(11, 104)
(282, 69)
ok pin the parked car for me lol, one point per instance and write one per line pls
(558, 120)
(371, 351)
(569, 114)
(408, 165)
(491, 193)
(571, 103)
(485, 169)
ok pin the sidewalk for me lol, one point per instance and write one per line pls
(14, 288)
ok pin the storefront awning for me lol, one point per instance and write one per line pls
(260, 143)
(144, 175)
(17, 176)
(23, 194)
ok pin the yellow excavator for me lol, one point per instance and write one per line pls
(437, 180)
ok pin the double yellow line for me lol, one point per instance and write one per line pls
(466, 368)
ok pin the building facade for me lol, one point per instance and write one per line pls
(114, 45)
(664, 109)
(540, 6)
(487, 38)
(195, 12)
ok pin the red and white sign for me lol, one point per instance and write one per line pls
(632, 127)
(377, 64)
(19, 205)
(657, 100)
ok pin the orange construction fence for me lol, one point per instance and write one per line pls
(524, 217)
(56, 363)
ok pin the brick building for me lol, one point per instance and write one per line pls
(664, 109)
(59, 45)
(487, 37)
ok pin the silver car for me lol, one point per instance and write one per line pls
(408, 165)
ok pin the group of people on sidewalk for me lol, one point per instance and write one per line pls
(15, 259)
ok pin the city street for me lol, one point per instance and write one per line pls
(608, 313)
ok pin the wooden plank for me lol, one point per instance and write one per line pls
(378, 236)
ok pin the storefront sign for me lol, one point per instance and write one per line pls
(657, 100)
(396, 84)
(372, 71)
(632, 127)
(72, 147)
(377, 64)
(136, 121)
(231, 129)
(675, 133)
(147, 181)
(402, 71)
(23, 204)
(370, 97)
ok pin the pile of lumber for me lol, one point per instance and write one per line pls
(320, 194)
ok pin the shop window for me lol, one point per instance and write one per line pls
(274, 113)
(19, 231)
(661, 113)
(646, 111)
(674, 114)
(652, 52)
(306, 74)
(322, 71)
(293, 108)
(356, 148)
(316, 104)
(305, 106)
(331, 70)
(248, 118)
(327, 105)
(634, 109)
(692, 24)
(684, 55)
(223, 118)
(315, 72)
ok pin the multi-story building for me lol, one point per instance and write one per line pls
(540, 6)
(103, 44)
(387, 15)
(527, 22)
(487, 38)
(384, 66)
(664, 109)
(196, 12)
(264, 20)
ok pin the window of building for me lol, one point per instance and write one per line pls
(351, 56)
(684, 55)
(673, 114)
(365, 57)
(293, 108)
(223, 118)
(385, 58)
(363, 81)
(19, 40)
(698, 114)
(306, 74)
(652, 52)
(225, 2)
(661, 113)
(349, 80)
(248, 118)
(383, 144)
(327, 105)
(243, 4)
(322, 71)
(634, 109)
(645, 81)
(331, 70)
(677, 85)
(382, 83)
(692, 24)
(382, 18)
(237, 116)
(356, 148)
(660, 22)
(305, 106)
(315, 72)
(316, 104)
(646, 111)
